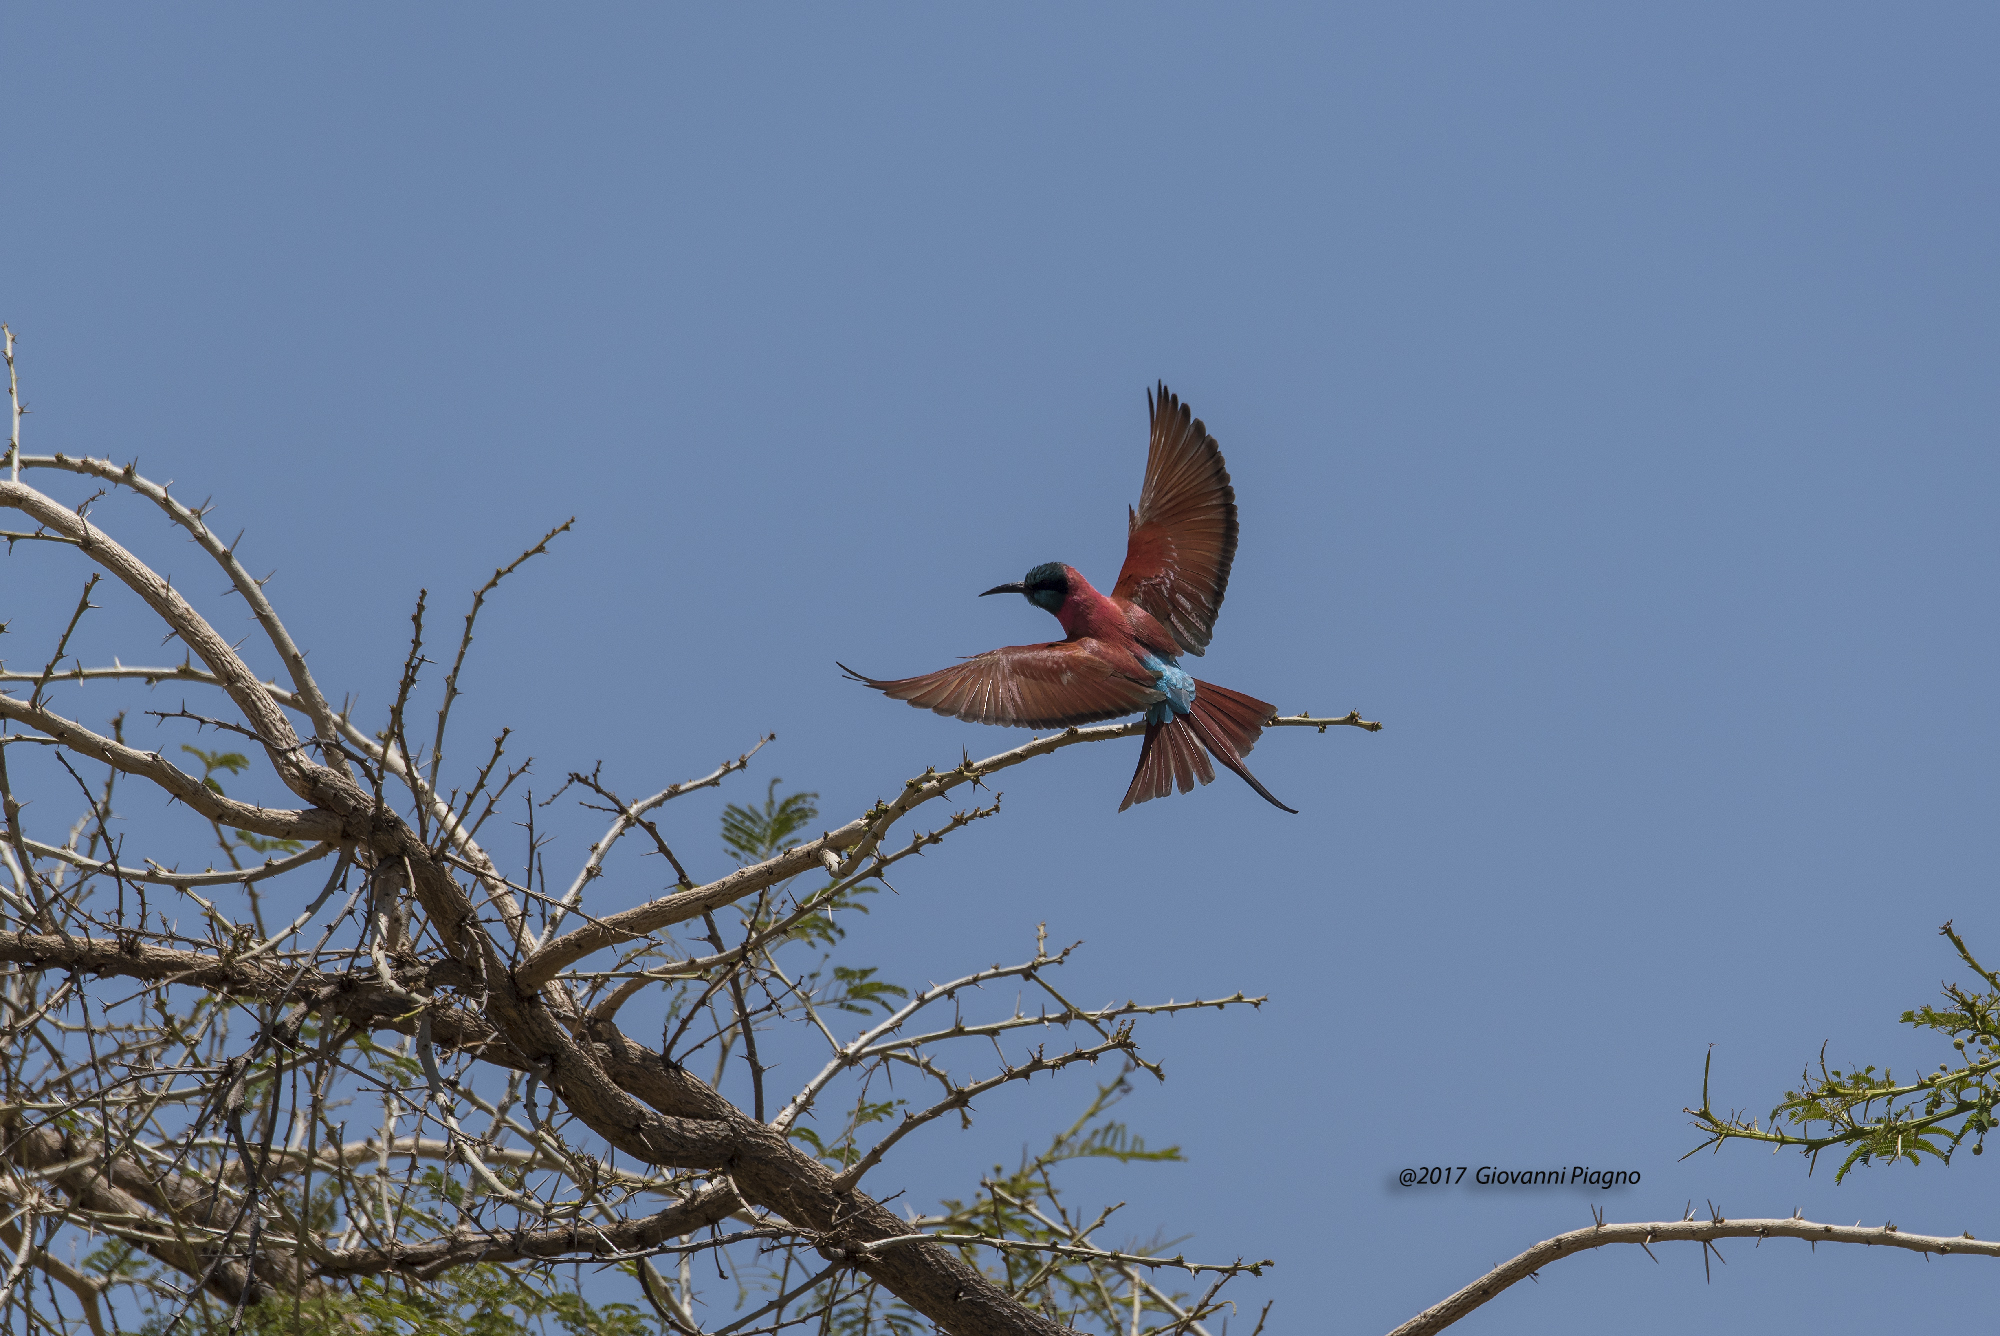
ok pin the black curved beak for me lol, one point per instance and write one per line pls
(1016, 588)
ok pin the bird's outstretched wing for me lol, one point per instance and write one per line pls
(1183, 534)
(1025, 686)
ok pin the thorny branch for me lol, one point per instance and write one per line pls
(1690, 1229)
(1873, 1115)
(837, 850)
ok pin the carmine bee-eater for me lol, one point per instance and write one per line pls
(1120, 655)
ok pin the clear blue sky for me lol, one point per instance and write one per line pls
(1611, 402)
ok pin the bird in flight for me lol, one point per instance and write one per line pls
(1120, 655)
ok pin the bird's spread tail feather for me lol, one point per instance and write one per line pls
(1225, 724)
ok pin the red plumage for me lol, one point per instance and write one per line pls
(1078, 681)
(1117, 657)
(1182, 537)
(1227, 723)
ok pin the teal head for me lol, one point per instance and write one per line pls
(1046, 586)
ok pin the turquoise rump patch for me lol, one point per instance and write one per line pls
(1176, 685)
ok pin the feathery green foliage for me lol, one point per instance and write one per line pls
(754, 834)
(1877, 1117)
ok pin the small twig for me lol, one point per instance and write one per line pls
(465, 640)
(1303, 719)
(631, 815)
(83, 605)
(1120, 1041)
(14, 402)
(850, 1054)
(203, 721)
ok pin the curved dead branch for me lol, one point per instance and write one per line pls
(1704, 1231)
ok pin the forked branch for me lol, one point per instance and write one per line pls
(837, 850)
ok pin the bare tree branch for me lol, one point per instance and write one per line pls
(856, 839)
(1703, 1231)
(275, 867)
(465, 640)
(252, 590)
(274, 822)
